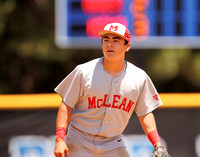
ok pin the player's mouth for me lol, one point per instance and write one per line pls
(109, 51)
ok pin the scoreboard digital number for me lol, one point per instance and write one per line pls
(152, 23)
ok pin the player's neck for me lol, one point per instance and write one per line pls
(113, 68)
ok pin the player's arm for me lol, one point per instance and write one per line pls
(63, 118)
(148, 124)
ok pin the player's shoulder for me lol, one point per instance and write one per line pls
(88, 66)
(133, 69)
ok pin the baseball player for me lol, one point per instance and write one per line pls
(98, 99)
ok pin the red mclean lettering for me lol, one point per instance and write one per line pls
(123, 104)
(130, 104)
(104, 101)
(98, 103)
(115, 101)
(91, 103)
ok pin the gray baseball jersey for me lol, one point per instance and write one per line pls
(102, 105)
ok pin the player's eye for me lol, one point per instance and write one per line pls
(105, 40)
(116, 41)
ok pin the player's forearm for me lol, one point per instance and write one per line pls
(63, 118)
(64, 115)
(148, 124)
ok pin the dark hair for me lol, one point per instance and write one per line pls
(126, 42)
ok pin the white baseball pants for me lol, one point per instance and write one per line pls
(81, 144)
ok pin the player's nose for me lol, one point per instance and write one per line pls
(109, 44)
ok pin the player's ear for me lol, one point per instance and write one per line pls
(128, 46)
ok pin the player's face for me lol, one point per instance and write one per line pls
(114, 47)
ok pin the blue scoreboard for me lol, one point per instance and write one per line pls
(152, 23)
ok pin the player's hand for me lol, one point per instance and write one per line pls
(160, 151)
(61, 149)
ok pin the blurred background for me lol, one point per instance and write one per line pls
(35, 57)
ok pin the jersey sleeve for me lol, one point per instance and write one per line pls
(70, 88)
(148, 99)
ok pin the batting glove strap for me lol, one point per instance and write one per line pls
(160, 151)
